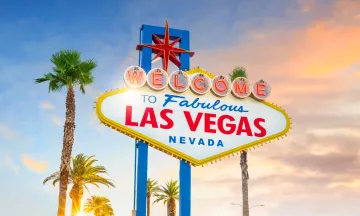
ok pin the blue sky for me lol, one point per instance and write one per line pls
(287, 43)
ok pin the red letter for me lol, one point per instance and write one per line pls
(176, 82)
(168, 120)
(192, 125)
(232, 127)
(240, 89)
(195, 83)
(261, 128)
(261, 91)
(156, 81)
(208, 123)
(149, 112)
(244, 122)
(217, 87)
(135, 76)
(128, 117)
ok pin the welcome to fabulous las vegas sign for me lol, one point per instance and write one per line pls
(193, 115)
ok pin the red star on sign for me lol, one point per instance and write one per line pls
(165, 49)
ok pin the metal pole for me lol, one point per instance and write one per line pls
(142, 179)
(185, 189)
(185, 168)
(139, 62)
(135, 150)
(136, 147)
(142, 169)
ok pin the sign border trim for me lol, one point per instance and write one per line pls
(173, 152)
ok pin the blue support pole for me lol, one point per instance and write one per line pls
(185, 189)
(145, 63)
(185, 168)
(142, 178)
(136, 151)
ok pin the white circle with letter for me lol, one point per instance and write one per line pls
(179, 81)
(135, 77)
(157, 79)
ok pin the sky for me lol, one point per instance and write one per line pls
(308, 50)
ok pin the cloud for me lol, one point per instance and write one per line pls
(291, 171)
(57, 120)
(9, 162)
(6, 132)
(34, 165)
(306, 5)
(347, 5)
(16, 139)
(46, 105)
(304, 65)
(347, 184)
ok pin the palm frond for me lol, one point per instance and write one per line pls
(69, 70)
(87, 189)
(83, 172)
(167, 192)
(238, 72)
(99, 204)
(55, 176)
(152, 186)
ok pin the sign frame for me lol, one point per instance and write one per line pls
(175, 153)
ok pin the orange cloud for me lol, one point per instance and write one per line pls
(46, 105)
(57, 120)
(328, 49)
(348, 5)
(34, 165)
(355, 184)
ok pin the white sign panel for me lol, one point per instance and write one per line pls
(193, 127)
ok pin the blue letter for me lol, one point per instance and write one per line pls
(201, 142)
(168, 98)
(172, 139)
(144, 96)
(220, 143)
(182, 140)
(210, 142)
(192, 140)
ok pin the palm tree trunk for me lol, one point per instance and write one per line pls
(245, 178)
(68, 140)
(76, 195)
(74, 207)
(148, 204)
(171, 208)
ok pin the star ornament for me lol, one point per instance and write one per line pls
(165, 49)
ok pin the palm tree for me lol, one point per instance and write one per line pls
(152, 187)
(241, 72)
(168, 194)
(83, 172)
(69, 72)
(99, 205)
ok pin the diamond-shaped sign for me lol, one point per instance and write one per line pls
(187, 125)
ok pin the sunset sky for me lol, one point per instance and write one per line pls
(308, 50)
